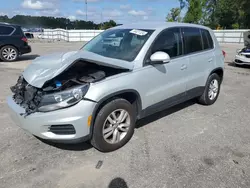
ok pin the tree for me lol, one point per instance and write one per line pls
(200, 11)
(227, 13)
(174, 15)
(52, 22)
(244, 13)
(107, 25)
(208, 17)
(194, 12)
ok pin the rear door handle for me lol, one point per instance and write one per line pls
(183, 67)
(210, 60)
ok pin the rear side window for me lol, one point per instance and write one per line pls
(192, 40)
(18, 32)
(5, 30)
(169, 41)
(207, 39)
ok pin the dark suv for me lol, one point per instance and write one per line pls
(13, 42)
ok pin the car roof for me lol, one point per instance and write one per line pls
(157, 25)
(8, 24)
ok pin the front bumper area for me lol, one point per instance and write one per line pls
(241, 60)
(39, 124)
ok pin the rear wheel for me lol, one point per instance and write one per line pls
(114, 125)
(212, 90)
(8, 53)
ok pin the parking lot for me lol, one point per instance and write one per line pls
(189, 145)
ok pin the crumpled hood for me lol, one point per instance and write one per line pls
(45, 68)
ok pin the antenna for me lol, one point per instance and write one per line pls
(86, 2)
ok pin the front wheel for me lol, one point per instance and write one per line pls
(212, 90)
(114, 125)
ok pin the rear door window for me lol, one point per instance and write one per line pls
(192, 40)
(207, 39)
(6, 30)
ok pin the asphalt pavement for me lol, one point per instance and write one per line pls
(189, 145)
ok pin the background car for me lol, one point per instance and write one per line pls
(113, 40)
(242, 56)
(13, 42)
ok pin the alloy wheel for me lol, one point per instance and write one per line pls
(9, 54)
(116, 126)
(213, 89)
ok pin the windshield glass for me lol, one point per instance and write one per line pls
(124, 44)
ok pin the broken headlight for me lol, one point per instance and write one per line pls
(62, 99)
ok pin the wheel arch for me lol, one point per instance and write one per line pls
(219, 71)
(130, 95)
(9, 45)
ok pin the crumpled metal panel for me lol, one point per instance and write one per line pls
(47, 67)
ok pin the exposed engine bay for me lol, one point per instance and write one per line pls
(246, 49)
(80, 73)
(242, 56)
(246, 36)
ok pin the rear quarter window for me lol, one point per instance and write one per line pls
(6, 30)
(207, 40)
(18, 32)
(192, 40)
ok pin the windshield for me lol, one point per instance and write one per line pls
(124, 44)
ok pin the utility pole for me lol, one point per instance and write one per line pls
(86, 4)
(101, 18)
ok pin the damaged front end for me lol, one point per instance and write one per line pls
(242, 56)
(246, 49)
(66, 89)
(47, 99)
(26, 95)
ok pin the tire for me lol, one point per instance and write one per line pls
(11, 49)
(236, 65)
(206, 98)
(118, 106)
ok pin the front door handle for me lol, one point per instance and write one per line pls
(183, 67)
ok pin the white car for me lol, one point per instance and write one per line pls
(112, 41)
(242, 57)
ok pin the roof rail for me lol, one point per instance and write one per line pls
(5, 23)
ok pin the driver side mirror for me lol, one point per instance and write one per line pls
(159, 58)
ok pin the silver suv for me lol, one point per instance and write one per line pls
(99, 92)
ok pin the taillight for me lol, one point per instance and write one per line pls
(224, 53)
(24, 39)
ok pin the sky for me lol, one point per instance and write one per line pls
(122, 11)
